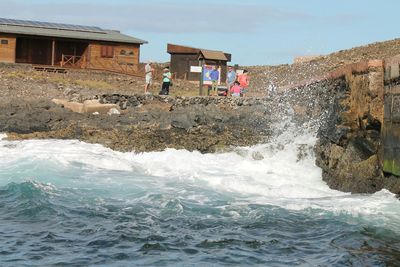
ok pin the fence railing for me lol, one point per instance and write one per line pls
(73, 61)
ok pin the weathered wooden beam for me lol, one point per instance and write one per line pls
(53, 52)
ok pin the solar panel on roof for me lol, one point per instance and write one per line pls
(49, 25)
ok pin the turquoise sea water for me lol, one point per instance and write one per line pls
(67, 203)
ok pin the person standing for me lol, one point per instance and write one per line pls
(230, 78)
(243, 79)
(166, 81)
(214, 75)
(149, 71)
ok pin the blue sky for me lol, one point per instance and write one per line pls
(256, 32)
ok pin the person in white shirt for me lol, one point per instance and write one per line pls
(149, 70)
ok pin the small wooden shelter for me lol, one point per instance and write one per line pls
(68, 46)
(183, 57)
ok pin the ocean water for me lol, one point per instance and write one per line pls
(68, 203)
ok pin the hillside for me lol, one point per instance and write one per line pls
(21, 81)
(282, 75)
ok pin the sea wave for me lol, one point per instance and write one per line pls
(27, 200)
(282, 173)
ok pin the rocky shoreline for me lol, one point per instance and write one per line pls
(345, 108)
(147, 123)
(349, 138)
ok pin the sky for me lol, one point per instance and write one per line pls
(255, 32)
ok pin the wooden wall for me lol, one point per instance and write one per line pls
(180, 66)
(7, 51)
(118, 60)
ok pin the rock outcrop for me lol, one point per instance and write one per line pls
(151, 123)
(350, 149)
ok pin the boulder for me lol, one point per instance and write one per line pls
(100, 108)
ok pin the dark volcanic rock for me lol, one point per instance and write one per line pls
(157, 123)
(349, 147)
(30, 117)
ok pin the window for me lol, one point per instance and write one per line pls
(4, 42)
(126, 53)
(107, 51)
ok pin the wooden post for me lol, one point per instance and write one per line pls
(53, 52)
(201, 78)
(88, 58)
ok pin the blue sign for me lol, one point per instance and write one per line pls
(207, 69)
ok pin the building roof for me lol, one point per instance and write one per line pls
(181, 49)
(212, 55)
(57, 30)
(206, 53)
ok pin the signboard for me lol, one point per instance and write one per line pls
(195, 69)
(207, 74)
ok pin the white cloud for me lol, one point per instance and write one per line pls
(154, 16)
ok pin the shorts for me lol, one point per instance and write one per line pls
(214, 85)
(149, 79)
(236, 94)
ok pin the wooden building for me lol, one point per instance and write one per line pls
(182, 57)
(68, 46)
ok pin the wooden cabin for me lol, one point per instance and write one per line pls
(182, 57)
(68, 46)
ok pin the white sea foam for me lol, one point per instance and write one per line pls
(62, 153)
(269, 174)
(3, 136)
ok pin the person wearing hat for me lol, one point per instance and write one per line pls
(149, 70)
(167, 77)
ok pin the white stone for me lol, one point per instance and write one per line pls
(113, 111)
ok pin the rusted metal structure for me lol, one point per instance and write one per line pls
(58, 45)
(182, 57)
(391, 125)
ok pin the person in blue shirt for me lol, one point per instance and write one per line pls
(230, 78)
(214, 75)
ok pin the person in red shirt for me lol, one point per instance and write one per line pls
(243, 79)
(236, 89)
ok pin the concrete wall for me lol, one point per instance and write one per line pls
(7, 48)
